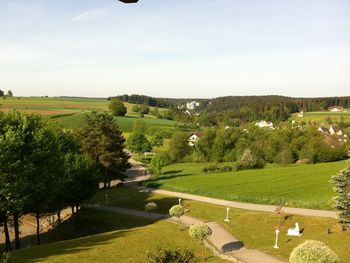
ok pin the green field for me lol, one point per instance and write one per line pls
(106, 237)
(321, 116)
(296, 186)
(254, 229)
(68, 112)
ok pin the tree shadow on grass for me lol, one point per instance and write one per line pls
(83, 231)
(172, 172)
(155, 182)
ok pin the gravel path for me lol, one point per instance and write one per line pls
(224, 243)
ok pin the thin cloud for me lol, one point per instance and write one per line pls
(91, 14)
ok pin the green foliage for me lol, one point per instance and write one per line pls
(249, 161)
(157, 163)
(200, 231)
(102, 140)
(312, 251)
(171, 255)
(341, 186)
(177, 211)
(150, 207)
(117, 107)
(138, 143)
(178, 146)
(139, 127)
(144, 109)
(157, 140)
(82, 178)
(5, 258)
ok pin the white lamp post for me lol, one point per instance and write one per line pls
(179, 201)
(276, 242)
(227, 212)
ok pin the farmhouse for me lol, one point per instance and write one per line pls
(263, 124)
(336, 109)
(335, 129)
(194, 138)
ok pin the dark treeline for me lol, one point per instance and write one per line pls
(157, 102)
(261, 104)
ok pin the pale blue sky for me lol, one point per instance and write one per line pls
(175, 48)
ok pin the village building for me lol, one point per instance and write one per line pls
(265, 124)
(336, 109)
(195, 136)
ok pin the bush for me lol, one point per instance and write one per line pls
(312, 251)
(5, 258)
(150, 207)
(171, 255)
(117, 107)
(226, 169)
(177, 211)
(249, 161)
(210, 169)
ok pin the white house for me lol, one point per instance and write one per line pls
(263, 124)
(336, 109)
(194, 138)
(335, 129)
(192, 105)
(323, 129)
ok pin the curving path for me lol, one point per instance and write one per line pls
(136, 174)
(221, 242)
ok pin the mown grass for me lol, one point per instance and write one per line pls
(128, 239)
(305, 186)
(254, 229)
(322, 116)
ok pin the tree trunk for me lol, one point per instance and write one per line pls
(77, 208)
(202, 246)
(38, 229)
(8, 246)
(59, 216)
(72, 209)
(109, 182)
(16, 228)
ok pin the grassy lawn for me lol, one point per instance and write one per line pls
(106, 237)
(254, 229)
(305, 186)
(321, 116)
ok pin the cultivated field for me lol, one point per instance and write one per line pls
(254, 229)
(305, 186)
(106, 237)
(68, 111)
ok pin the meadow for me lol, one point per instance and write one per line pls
(68, 112)
(254, 229)
(306, 186)
(322, 116)
(107, 237)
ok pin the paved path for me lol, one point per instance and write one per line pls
(225, 244)
(136, 174)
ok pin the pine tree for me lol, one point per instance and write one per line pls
(341, 185)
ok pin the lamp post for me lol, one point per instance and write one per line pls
(276, 242)
(227, 212)
(179, 201)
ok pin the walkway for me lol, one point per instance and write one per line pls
(226, 245)
(136, 174)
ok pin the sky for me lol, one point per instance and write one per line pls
(175, 48)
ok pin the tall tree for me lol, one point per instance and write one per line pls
(341, 186)
(103, 141)
(117, 107)
(138, 143)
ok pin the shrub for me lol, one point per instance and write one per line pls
(150, 207)
(177, 211)
(5, 258)
(200, 232)
(117, 107)
(249, 161)
(210, 169)
(226, 169)
(171, 255)
(312, 251)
